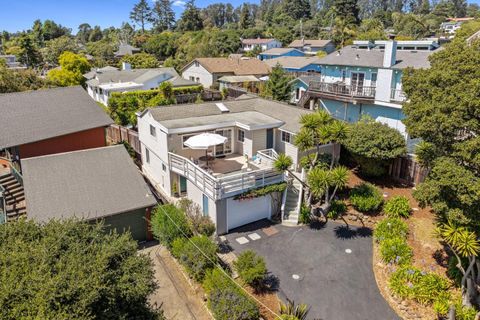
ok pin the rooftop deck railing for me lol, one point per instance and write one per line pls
(222, 187)
(342, 89)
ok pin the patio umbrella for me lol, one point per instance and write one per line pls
(204, 141)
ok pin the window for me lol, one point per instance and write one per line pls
(198, 80)
(153, 132)
(241, 135)
(185, 138)
(205, 206)
(286, 137)
(197, 64)
(164, 167)
(343, 73)
(192, 78)
(147, 155)
(373, 80)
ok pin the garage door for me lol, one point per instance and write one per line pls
(243, 212)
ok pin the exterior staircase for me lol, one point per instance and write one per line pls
(304, 99)
(14, 196)
(291, 210)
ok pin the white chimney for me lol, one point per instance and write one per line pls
(126, 66)
(390, 54)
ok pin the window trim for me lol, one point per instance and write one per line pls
(286, 133)
(188, 135)
(238, 135)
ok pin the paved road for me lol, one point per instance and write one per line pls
(336, 284)
(180, 302)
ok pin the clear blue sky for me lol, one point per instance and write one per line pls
(17, 15)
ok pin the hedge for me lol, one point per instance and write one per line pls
(149, 94)
(262, 191)
(166, 222)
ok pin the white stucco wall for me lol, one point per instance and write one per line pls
(384, 84)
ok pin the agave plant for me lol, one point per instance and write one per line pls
(291, 311)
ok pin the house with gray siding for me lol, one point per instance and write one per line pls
(256, 131)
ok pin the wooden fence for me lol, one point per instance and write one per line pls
(117, 134)
(407, 170)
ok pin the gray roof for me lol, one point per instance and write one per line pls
(38, 115)
(126, 49)
(286, 116)
(181, 82)
(293, 62)
(277, 51)
(87, 184)
(352, 56)
(134, 75)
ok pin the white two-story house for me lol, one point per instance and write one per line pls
(256, 131)
(364, 79)
(261, 44)
(103, 82)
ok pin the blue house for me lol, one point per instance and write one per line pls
(280, 52)
(297, 65)
(364, 79)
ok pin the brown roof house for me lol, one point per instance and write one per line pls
(207, 71)
(101, 184)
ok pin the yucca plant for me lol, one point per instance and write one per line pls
(292, 311)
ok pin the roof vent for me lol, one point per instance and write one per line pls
(357, 57)
(223, 108)
(338, 53)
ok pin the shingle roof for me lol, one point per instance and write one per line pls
(238, 67)
(38, 115)
(352, 56)
(277, 51)
(289, 115)
(319, 43)
(87, 184)
(293, 62)
(257, 41)
(125, 49)
(139, 76)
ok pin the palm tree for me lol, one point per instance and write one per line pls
(321, 181)
(290, 311)
(283, 164)
(464, 244)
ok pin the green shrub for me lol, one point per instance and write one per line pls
(200, 224)
(411, 283)
(397, 207)
(168, 223)
(371, 167)
(188, 253)
(226, 300)
(337, 209)
(305, 214)
(396, 250)
(390, 228)
(366, 197)
(251, 268)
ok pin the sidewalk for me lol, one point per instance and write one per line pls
(180, 300)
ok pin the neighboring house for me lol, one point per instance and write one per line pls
(125, 49)
(103, 82)
(450, 27)
(100, 184)
(36, 123)
(297, 65)
(207, 71)
(11, 62)
(313, 46)
(261, 44)
(280, 52)
(256, 130)
(243, 83)
(364, 79)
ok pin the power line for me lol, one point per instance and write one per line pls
(218, 266)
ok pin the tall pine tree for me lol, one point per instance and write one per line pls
(141, 14)
(346, 10)
(164, 17)
(191, 19)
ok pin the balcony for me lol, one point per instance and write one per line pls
(397, 95)
(219, 183)
(342, 91)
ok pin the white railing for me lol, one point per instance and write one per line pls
(398, 95)
(222, 187)
(267, 156)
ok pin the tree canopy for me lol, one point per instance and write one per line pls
(72, 270)
(72, 68)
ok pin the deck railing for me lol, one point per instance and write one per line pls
(222, 187)
(398, 95)
(342, 89)
(267, 156)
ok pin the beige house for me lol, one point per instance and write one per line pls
(207, 71)
(256, 131)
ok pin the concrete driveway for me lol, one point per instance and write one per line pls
(329, 268)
